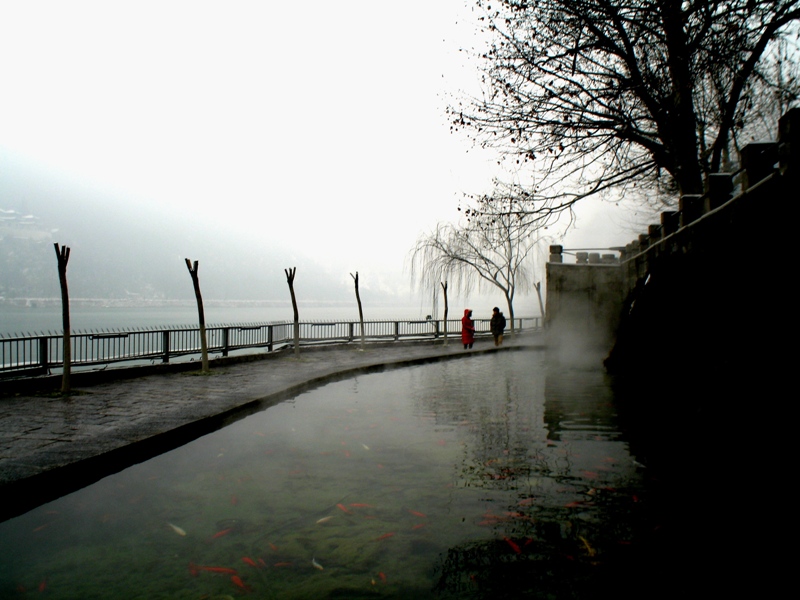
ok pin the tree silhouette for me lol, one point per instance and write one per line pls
(200, 313)
(360, 311)
(599, 95)
(497, 255)
(290, 280)
(62, 255)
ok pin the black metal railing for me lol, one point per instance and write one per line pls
(38, 354)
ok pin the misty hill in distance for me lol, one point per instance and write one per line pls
(121, 251)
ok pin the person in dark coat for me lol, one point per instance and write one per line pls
(497, 325)
(467, 329)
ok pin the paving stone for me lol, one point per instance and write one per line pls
(113, 424)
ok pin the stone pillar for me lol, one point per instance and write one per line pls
(609, 259)
(670, 222)
(789, 143)
(691, 208)
(556, 255)
(720, 189)
(654, 233)
(758, 160)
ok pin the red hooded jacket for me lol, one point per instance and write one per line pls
(467, 328)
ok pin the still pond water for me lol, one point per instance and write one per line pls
(485, 477)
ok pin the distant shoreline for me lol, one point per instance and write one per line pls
(159, 303)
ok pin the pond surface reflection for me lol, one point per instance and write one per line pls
(484, 477)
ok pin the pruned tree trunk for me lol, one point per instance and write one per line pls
(444, 291)
(62, 255)
(200, 313)
(360, 312)
(290, 280)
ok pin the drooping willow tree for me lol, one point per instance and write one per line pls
(497, 254)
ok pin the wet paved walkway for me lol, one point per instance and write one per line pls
(53, 445)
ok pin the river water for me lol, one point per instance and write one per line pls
(489, 476)
(21, 319)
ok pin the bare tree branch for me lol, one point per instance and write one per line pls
(495, 254)
(623, 95)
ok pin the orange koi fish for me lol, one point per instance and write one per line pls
(516, 515)
(238, 582)
(416, 513)
(43, 585)
(384, 536)
(419, 526)
(361, 505)
(249, 561)
(219, 534)
(514, 546)
(382, 575)
(589, 550)
(222, 570)
(273, 547)
(343, 508)
(282, 564)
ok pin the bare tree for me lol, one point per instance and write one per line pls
(290, 280)
(496, 255)
(62, 255)
(201, 315)
(621, 95)
(360, 311)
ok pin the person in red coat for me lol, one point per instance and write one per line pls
(467, 329)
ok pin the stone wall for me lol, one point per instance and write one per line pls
(703, 360)
(583, 307)
(692, 292)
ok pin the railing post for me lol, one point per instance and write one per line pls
(225, 345)
(165, 346)
(396, 330)
(436, 330)
(43, 355)
(270, 339)
(350, 331)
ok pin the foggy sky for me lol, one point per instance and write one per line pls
(254, 134)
